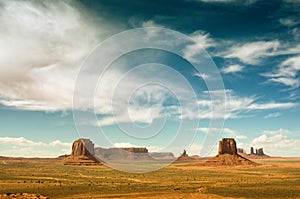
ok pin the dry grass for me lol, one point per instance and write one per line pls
(274, 179)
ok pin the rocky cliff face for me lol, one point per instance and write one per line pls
(227, 146)
(83, 147)
(82, 153)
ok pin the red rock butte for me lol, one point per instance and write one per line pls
(228, 155)
(82, 153)
(227, 146)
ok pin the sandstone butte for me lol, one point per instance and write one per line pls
(228, 155)
(82, 154)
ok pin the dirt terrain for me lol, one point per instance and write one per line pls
(273, 178)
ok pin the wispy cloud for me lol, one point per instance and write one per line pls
(288, 21)
(232, 69)
(253, 52)
(226, 132)
(275, 132)
(204, 76)
(200, 41)
(286, 72)
(272, 115)
(237, 106)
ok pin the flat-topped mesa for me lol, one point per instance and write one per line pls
(227, 146)
(136, 149)
(83, 147)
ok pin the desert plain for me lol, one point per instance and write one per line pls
(273, 178)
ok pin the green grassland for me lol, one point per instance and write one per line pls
(53, 179)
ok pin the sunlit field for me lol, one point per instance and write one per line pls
(276, 178)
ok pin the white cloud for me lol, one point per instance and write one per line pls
(276, 132)
(204, 76)
(20, 141)
(210, 130)
(200, 41)
(271, 105)
(59, 143)
(275, 143)
(279, 145)
(226, 132)
(232, 69)
(286, 72)
(41, 47)
(287, 81)
(150, 23)
(237, 106)
(272, 115)
(22, 147)
(241, 137)
(288, 21)
(253, 52)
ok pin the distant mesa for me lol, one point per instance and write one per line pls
(82, 154)
(131, 153)
(228, 155)
(162, 155)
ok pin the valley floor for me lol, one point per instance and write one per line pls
(275, 178)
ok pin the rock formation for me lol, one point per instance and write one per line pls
(227, 146)
(185, 157)
(228, 155)
(251, 151)
(260, 152)
(83, 147)
(82, 153)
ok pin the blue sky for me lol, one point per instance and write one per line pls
(254, 45)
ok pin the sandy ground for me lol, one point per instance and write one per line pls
(273, 178)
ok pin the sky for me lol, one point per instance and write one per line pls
(149, 97)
